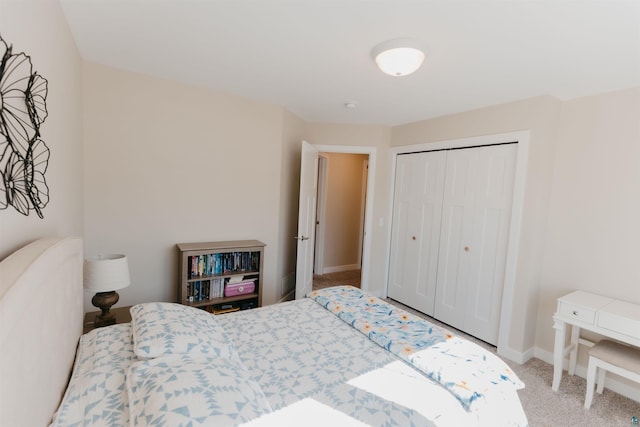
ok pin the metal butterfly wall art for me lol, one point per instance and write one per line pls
(24, 156)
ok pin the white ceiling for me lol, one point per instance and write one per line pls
(313, 56)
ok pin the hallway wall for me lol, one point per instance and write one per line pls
(343, 211)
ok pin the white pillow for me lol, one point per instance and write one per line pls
(95, 395)
(161, 328)
(181, 390)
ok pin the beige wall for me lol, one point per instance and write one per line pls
(293, 134)
(38, 29)
(593, 229)
(168, 163)
(539, 115)
(343, 208)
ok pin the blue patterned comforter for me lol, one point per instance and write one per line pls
(293, 363)
(467, 370)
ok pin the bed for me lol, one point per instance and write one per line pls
(336, 357)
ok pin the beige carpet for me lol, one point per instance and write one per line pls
(565, 408)
(545, 408)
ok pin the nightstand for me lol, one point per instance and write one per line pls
(122, 315)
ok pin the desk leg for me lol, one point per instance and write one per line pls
(558, 352)
(573, 355)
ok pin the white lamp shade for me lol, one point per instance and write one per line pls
(106, 273)
(398, 57)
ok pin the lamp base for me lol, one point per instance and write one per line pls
(104, 301)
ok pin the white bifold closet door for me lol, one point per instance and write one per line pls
(417, 210)
(449, 240)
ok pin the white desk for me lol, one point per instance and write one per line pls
(612, 318)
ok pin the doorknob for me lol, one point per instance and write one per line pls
(466, 248)
(302, 238)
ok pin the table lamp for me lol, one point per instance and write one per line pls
(105, 274)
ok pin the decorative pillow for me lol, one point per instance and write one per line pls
(161, 328)
(185, 390)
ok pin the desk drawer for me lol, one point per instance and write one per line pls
(576, 312)
(621, 317)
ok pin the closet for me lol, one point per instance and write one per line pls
(450, 228)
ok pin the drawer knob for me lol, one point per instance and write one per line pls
(574, 312)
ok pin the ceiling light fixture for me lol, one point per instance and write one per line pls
(398, 57)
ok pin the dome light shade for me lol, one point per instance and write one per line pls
(398, 57)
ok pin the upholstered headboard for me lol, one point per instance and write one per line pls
(41, 315)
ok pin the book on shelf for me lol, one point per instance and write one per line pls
(202, 290)
(221, 263)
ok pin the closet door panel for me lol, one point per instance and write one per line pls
(457, 230)
(427, 239)
(416, 229)
(401, 223)
(493, 202)
(399, 256)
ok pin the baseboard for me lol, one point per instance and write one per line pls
(340, 268)
(515, 356)
(610, 382)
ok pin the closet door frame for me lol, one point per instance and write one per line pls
(522, 138)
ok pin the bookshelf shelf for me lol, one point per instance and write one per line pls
(221, 276)
(214, 301)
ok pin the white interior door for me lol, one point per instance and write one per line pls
(473, 244)
(306, 219)
(415, 237)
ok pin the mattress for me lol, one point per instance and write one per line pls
(302, 363)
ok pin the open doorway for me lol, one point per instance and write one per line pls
(307, 213)
(340, 219)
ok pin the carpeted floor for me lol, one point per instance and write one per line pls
(565, 408)
(546, 408)
(351, 277)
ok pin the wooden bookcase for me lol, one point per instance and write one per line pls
(207, 270)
